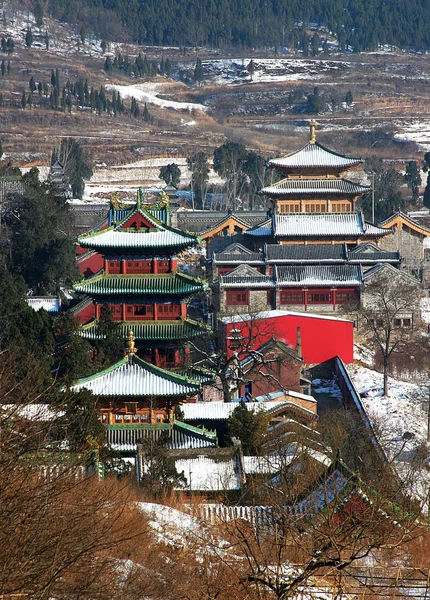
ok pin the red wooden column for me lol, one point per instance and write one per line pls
(305, 295)
(155, 266)
(155, 312)
(333, 291)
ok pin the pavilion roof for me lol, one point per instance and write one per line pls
(314, 155)
(337, 275)
(132, 376)
(171, 284)
(159, 235)
(317, 185)
(151, 331)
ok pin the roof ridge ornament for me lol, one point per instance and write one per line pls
(131, 348)
(313, 137)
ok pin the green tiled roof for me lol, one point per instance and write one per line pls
(159, 235)
(132, 376)
(181, 329)
(176, 284)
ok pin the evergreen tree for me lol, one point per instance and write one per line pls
(1, 148)
(171, 173)
(146, 116)
(40, 88)
(159, 474)
(10, 45)
(325, 48)
(413, 179)
(82, 34)
(3, 68)
(110, 344)
(1, 100)
(251, 69)
(228, 163)
(29, 38)
(348, 98)
(198, 71)
(38, 14)
(23, 100)
(248, 426)
(108, 66)
(315, 103)
(3, 45)
(8, 67)
(30, 100)
(32, 84)
(315, 43)
(46, 40)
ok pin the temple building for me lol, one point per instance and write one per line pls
(313, 181)
(138, 399)
(140, 281)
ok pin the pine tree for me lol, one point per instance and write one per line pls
(38, 14)
(30, 99)
(108, 67)
(3, 45)
(251, 69)
(8, 67)
(23, 100)
(46, 40)
(1, 149)
(198, 71)
(29, 38)
(348, 98)
(146, 115)
(32, 84)
(1, 100)
(3, 68)
(325, 47)
(10, 45)
(39, 88)
(315, 43)
(413, 179)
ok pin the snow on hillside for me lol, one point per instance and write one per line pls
(399, 420)
(234, 71)
(415, 131)
(148, 92)
(172, 526)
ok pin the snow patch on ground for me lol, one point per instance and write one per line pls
(399, 420)
(172, 526)
(148, 92)
(415, 131)
(235, 71)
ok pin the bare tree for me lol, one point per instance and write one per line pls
(389, 314)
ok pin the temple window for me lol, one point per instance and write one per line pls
(291, 297)
(343, 297)
(114, 267)
(319, 298)
(234, 298)
(163, 266)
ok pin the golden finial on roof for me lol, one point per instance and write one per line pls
(312, 128)
(114, 200)
(164, 197)
(131, 348)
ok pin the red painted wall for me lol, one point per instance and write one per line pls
(92, 264)
(322, 338)
(86, 314)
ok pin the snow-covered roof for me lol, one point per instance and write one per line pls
(338, 275)
(246, 276)
(324, 225)
(136, 239)
(263, 465)
(218, 411)
(322, 185)
(273, 314)
(132, 376)
(205, 474)
(314, 155)
(48, 303)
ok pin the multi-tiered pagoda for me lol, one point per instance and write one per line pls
(313, 180)
(140, 282)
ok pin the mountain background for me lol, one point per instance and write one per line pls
(358, 24)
